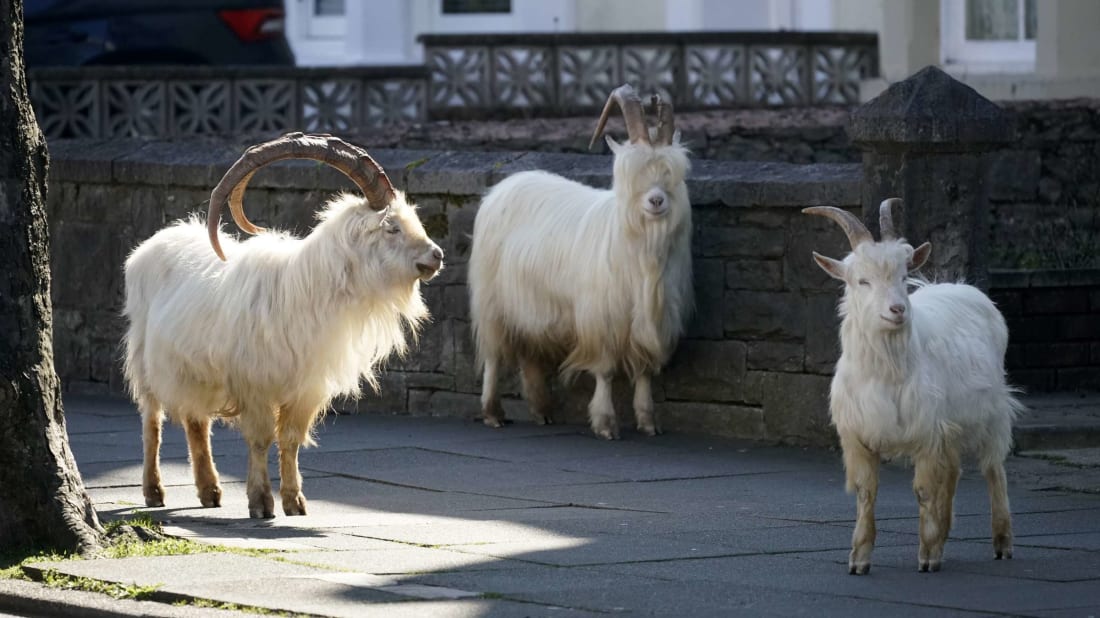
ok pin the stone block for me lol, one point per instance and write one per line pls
(706, 322)
(456, 302)
(592, 170)
(87, 160)
(1034, 380)
(715, 241)
(434, 353)
(1034, 328)
(775, 355)
(456, 173)
(460, 231)
(765, 315)
(1053, 301)
(1079, 327)
(796, 408)
(1010, 302)
(443, 403)
(754, 274)
(806, 234)
(822, 333)
(753, 183)
(732, 421)
(1048, 354)
(74, 248)
(1014, 175)
(1078, 379)
(706, 371)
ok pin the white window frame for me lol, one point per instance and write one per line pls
(956, 51)
(325, 26)
(524, 16)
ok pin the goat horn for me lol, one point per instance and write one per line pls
(353, 161)
(666, 124)
(631, 105)
(886, 218)
(853, 227)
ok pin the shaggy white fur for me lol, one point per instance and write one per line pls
(921, 375)
(270, 335)
(586, 279)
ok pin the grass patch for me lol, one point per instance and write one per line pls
(234, 607)
(411, 165)
(54, 579)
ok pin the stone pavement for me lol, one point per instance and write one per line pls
(419, 516)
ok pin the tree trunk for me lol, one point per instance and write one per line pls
(42, 499)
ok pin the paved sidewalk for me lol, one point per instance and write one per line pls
(437, 517)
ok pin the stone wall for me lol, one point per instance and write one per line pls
(755, 363)
(1045, 189)
(1054, 327)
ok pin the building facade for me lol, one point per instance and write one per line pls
(1007, 49)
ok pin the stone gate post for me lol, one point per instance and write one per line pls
(927, 140)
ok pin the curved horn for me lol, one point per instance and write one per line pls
(666, 124)
(353, 161)
(631, 105)
(853, 227)
(886, 218)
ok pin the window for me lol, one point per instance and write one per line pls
(1000, 20)
(327, 19)
(455, 7)
(989, 35)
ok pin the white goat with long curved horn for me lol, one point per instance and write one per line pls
(277, 327)
(920, 375)
(562, 274)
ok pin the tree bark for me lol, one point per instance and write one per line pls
(42, 499)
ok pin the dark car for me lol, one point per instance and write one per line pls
(203, 32)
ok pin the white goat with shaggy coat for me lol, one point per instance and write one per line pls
(921, 376)
(587, 279)
(277, 327)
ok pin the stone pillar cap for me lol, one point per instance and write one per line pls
(932, 111)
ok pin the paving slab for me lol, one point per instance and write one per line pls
(444, 517)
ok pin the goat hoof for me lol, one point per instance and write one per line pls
(294, 505)
(261, 507)
(650, 430)
(492, 421)
(154, 496)
(1002, 546)
(1005, 554)
(859, 569)
(211, 497)
(929, 566)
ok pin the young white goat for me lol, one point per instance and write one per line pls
(586, 279)
(277, 327)
(921, 376)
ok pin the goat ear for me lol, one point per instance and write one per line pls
(612, 144)
(833, 268)
(676, 137)
(920, 256)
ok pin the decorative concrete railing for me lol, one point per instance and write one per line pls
(572, 73)
(143, 101)
(465, 76)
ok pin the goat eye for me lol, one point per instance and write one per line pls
(864, 282)
(394, 230)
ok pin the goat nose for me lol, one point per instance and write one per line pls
(897, 309)
(657, 201)
(437, 253)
